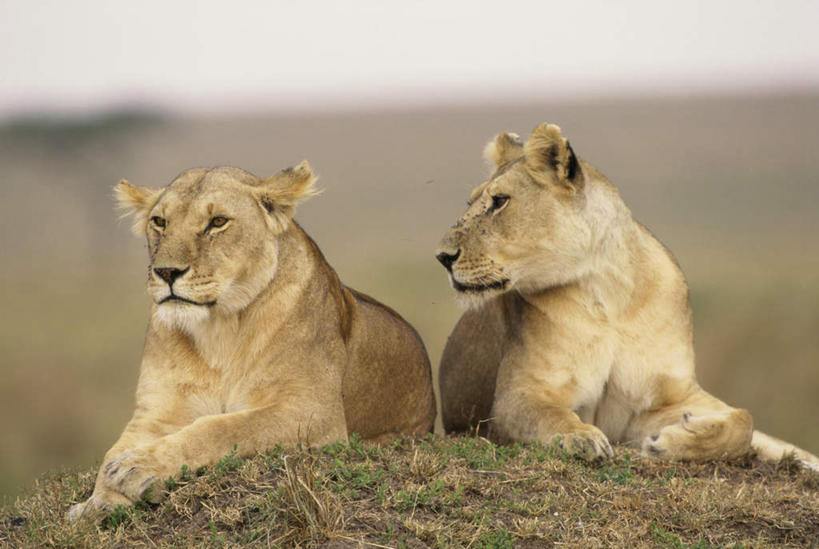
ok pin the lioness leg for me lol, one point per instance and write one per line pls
(524, 417)
(210, 438)
(141, 429)
(699, 428)
(129, 471)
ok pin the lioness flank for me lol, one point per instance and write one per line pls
(579, 328)
(253, 341)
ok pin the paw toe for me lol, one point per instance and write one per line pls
(76, 512)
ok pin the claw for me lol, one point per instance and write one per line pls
(147, 483)
(608, 449)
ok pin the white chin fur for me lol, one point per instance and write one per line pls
(473, 300)
(183, 316)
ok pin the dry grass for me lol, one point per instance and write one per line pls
(440, 492)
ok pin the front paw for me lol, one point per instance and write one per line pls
(96, 506)
(135, 474)
(589, 443)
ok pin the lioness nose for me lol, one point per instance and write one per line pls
(448, 259)
(169, 274)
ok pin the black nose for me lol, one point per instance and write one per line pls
(448, 259)
(169, 274)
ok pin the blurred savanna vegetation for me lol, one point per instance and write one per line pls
(729, 183)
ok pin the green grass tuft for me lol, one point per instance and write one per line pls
(228, 463)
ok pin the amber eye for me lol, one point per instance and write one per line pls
(498, 202)
(158, 222)
(217, 222)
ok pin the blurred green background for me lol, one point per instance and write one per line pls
(729, 183)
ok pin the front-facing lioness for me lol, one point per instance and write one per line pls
(580, 326)
(253, 341)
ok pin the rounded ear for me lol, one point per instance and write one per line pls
(548, 151)
(137, 201)
(279, 194)
(504, 148)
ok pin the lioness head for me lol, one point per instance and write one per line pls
(525, 228)
(213, 237)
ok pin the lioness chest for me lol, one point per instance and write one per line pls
(197, 389)
(226, 371)
(600, 369)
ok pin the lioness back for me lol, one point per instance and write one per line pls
(467, 373)
(387, 389)
(387, 381)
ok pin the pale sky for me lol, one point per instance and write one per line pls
(77, 56)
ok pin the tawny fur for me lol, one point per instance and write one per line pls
(586, 335)
(273, 349)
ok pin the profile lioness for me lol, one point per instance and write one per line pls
(253, 340)
(579, 329)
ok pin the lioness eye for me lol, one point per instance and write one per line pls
(158, 221)
(218, 221)
(498, 202)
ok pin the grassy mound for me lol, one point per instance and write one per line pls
(439, 492)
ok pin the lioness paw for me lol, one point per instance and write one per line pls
(589, 443)
(84, 510)
(133, 474)
(76, 511)
(692, 438)
(96, 506)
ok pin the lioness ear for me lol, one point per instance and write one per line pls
(548, 151)
(505, 147)
(137, 201)
(279, 194)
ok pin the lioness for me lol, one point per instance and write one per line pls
(253, 340)
(580, 328)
